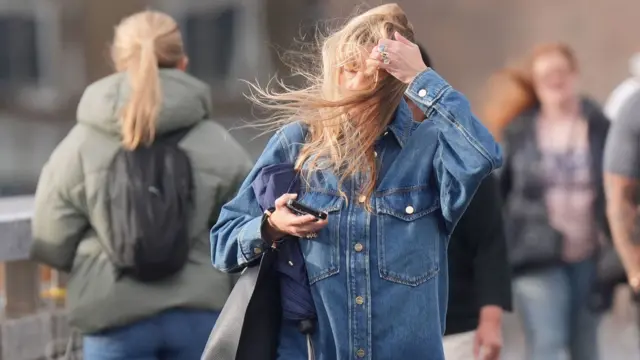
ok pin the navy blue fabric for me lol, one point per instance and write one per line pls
(297, 303)
(274, 181)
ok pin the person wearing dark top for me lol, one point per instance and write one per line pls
(479, 273)
(480, 279)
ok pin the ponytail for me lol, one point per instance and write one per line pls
(139, 115)
(142, 41)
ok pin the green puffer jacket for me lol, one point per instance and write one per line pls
(70, 226)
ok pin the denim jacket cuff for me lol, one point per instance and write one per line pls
(250, 241)
(426, 89)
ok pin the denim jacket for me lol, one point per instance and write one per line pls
(378, 278)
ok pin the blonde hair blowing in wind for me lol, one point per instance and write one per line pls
(343, 127)
(143, 43)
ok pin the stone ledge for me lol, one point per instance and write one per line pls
(36, 337)
(15, 227)
(16, 208)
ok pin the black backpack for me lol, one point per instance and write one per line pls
(150, 195)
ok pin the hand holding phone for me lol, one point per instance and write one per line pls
(301, 209)
(292, 218)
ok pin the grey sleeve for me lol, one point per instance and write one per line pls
(622, 151)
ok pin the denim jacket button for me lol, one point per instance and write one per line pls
(257, 251)
(359, 300)
(358, 247)
(360, 353)
(409, 210)
(362, 199)
(422, 93)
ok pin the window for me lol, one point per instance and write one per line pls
(225, 39)
(37, 69)
(210, 42)
(19, 58)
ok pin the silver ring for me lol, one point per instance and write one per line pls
(311, 235)
(381, 48)
(385, 58)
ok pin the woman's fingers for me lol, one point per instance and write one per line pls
(293, 224)
(305, 225)
(388, 46)
(281, 202)
(376, 61)
(315, 226)
(402, 39)
(299, 221)
(401, 58)
(311, 228)
(373, 65)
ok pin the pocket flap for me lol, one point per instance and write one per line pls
(408, 205)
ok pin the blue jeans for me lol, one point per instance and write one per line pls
(553, 306)
(175, 334)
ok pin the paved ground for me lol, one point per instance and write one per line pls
(619, 338)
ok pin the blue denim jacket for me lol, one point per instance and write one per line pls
(378, 278)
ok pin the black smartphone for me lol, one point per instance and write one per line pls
(300, 209)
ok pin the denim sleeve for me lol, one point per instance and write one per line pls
(236, 238)
(466, 151)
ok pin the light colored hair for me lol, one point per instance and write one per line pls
(553, 48)
(343, 128)
(509, 93)
(143, 43)
(511, 90)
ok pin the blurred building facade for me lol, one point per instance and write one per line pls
(53, 48)
(468, 40)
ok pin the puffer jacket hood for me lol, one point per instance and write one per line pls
(185, 102)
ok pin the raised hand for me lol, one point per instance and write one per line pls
(400, 58)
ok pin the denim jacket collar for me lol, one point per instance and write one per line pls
(402, 123)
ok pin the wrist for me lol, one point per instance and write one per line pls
(420, 71)
(270, 232)
(491, 313)
(275, 232)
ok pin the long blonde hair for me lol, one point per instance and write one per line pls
(143, 43)
(343, 128)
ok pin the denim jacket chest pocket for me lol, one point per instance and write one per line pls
(322, 254)
(408, 245)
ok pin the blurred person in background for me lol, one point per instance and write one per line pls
(555, 208)
(622, 176)
(626, 93)
(394, 190)
(479, 273)
(150, 109)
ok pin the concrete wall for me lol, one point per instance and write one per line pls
(29, 132)
(468, 40)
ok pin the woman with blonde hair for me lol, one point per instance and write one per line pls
(553, 190)
(393, 190)
(124, 202)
